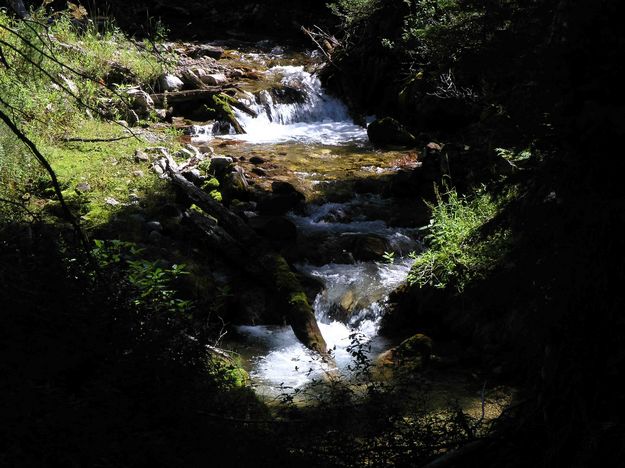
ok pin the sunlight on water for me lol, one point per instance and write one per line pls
(320, 118)
(289, 365)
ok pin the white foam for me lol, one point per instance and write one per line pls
(319, 119)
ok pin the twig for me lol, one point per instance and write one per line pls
(19, 205)
(313, 37)
(96, 140)
(251, 421)
(55, 183)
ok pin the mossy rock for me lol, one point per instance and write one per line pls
(411, 355)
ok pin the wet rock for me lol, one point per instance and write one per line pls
(366, 247)
(410, 355)
(259, 172)
(274, 227)
(389, 132)
(220, 163)
(205, 50)
(155, 237)
(280, 204)
(235, 184)
(153, 226)
(169, 82)
(194, 176)
(283, 188)
(343, 310)
(257, 160)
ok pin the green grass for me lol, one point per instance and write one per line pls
(108, 167)
(457, 253)
(44, 58)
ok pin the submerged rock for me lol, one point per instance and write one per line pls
(274, 227)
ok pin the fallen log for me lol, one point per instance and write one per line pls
(190, 95)
(237, 241)
(199, 95)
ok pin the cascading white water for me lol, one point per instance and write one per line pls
(362, 287)
(314, 117)
(289, 365)
(306, 114)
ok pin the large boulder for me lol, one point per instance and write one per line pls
(367, 247)
(411, 355)
(389, 132)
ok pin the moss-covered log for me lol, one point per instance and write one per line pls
(299, 312)
(238, 242)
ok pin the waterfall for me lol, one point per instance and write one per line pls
(296, 109)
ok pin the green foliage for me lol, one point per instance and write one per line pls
(227, 372)
(456, 253)
(20, 175)
(59, 81)
(353, 12)
(153, 284)
(48, 62)
(389, 257)
(438, 30)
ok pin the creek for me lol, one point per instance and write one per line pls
(310, 136)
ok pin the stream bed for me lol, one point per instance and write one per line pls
(306, 137)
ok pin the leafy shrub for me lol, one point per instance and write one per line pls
(457, 253)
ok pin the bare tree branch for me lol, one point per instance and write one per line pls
(55, 183)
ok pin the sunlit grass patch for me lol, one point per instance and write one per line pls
(458, 252)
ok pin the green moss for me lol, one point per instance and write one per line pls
(210, 184)
(285, 279)
(227, 372)
(205, 166)
(196, 209)
(107, 167)
(298, 297)
(216, 195)
(223, 108)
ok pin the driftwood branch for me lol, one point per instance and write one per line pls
(96, 140)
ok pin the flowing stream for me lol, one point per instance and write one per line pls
(308, 125)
